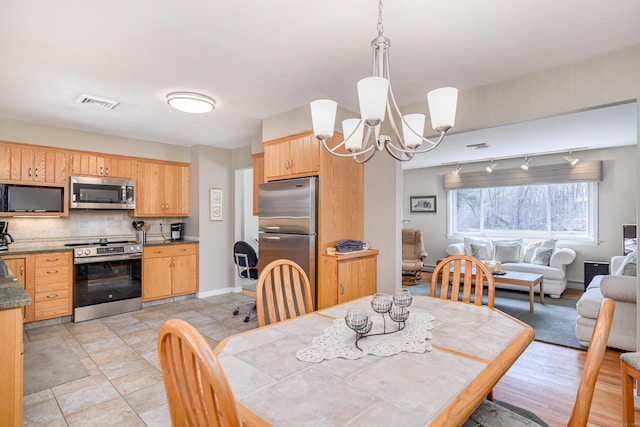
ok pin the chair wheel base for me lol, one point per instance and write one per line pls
(236, 311)
(246, 319)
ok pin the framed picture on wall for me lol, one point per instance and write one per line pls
(215, 204)
(424, 204)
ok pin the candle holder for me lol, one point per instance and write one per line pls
(395, 307)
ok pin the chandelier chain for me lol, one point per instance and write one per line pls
(380, 27)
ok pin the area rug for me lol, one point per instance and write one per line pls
(49, 363)
(554, 321)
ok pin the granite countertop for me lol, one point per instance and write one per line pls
(12, 294)
(38, 247)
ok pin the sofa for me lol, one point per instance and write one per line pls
(621, 286)
(539, 257)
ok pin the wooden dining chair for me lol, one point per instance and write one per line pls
(493, 414)
(282, 292)
(197, 390)
(630, 370)
(463, 273)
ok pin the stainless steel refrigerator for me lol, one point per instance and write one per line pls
(287, 223)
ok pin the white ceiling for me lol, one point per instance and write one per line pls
(261, 58)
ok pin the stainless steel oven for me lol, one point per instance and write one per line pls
(107, 279)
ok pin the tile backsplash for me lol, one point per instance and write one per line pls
(88, 225)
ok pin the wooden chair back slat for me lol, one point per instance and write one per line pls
(463, 273)
(283, 291)
(197, 390)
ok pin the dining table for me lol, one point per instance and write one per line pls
(450, 358)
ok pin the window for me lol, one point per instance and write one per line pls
(562, 211)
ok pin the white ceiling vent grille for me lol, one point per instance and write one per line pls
(478, 146)
(96, 102)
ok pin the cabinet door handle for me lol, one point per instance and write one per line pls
(107, 171)
(22, 270)
(36, 172)
(52, 272)
(29, 171)
(52, 296)
(341, 288)
(157, 252)
(52, 259)
(101, 168)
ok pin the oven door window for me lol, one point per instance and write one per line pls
(107, 281)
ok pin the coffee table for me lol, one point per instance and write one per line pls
(523, 279)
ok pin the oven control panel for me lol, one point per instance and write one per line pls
(132, 249)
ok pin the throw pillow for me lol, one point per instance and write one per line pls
(517, 242)
(467, 246)
(529, 252)
(542, 256)
(507, 252)
(628, 266)
(480, 251)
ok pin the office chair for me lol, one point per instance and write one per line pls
(246, 260)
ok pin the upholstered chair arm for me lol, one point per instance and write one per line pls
(616, 262)
(562, 257)
(620, 288)
(455, 249)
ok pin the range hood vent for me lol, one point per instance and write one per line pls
(96, 102)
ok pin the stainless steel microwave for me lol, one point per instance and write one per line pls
(101, 193)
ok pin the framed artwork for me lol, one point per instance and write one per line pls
(216, 196)
(424, 204)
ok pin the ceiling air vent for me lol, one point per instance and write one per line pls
(478, 146)
(94, 101)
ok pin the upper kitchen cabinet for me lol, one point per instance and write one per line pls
(28, 164)
(292, 157)
(162, 189)
(258, 178)
(101, 165)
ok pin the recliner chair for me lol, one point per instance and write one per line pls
(413, 253)
(246, 260)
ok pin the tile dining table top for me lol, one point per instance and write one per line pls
(473, 346)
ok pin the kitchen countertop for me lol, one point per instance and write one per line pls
(33, 248)
(12, 294)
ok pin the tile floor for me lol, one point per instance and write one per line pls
(125, 385)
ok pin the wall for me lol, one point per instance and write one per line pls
(618, 189)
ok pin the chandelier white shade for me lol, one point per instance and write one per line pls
(377, 103)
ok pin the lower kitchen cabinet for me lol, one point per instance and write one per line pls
(11, 354)
(346, 277)
(48, 279)
(53, 283)
(169, 270)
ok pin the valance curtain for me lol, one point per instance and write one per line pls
(544, 174)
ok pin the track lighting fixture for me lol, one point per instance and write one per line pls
(526, 164)
(491, 167)
(569, 158)
(456, 171)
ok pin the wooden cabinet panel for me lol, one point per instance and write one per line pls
(162, 189)
(291, 157)
(53, 285)
(18, 266)
(347, 277)
(169, 271)
(5, 164)
(101, 165)
(56, 167)
(32, 164)
(258, 178)
(11, 354)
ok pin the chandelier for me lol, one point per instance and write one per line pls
(375, 95)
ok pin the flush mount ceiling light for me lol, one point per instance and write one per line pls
(526, 164)
(491, 167)
(375, 95)
(190, 102)
(569, 158)
(456, 171)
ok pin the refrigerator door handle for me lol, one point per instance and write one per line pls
(271, 237)
(272, 227)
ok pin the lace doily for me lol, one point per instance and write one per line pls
(339, 341)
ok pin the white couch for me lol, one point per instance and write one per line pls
(555, 274)
(622, 289)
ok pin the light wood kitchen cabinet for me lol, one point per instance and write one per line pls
(12, 355)
(169, 270)
(292, 157)
(348, 276)
(32, 164)
(101, 165)
(53, 285)
(258, 178)
(18, 264)
(162, 189)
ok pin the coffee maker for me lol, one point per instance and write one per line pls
(5, 238)
(177, 231)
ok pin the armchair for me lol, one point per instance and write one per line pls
(413, 254)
